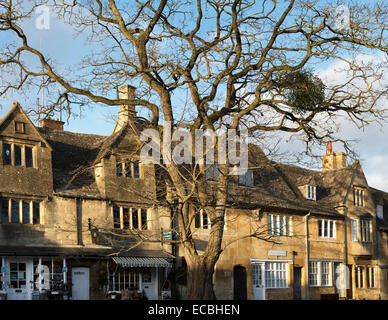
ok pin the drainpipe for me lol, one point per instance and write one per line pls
(346, 275)
(307, 255)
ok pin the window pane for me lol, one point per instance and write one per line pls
(4, 211)
(331, 228)
(144, 219)
(135, 219)
(35, 213)
(128, 170)
(205, 222)
(136, 169)
(26, 212)
(356, 278)
(18, 155)
(281, 232)
(287, 229)
(15, 211)
(353, 224)
(197, 220)
(367, 278)
(119, 169)
(126, 218)
(116, 217)
(320, 226)
(29, 158)
(269, 224)
(6, 154)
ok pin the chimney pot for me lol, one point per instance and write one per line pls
(52, 124)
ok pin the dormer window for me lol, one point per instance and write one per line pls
(212, 172)
(128, 169)
(380, 211)
(246, 179)
(311, 192)
(358, 197)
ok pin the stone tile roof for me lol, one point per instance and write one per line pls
(72, 162)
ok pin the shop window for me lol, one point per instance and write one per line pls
(320, 273)
(18, 275)
(276, 275)
(124, 278)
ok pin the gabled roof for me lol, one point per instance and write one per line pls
(16, 107)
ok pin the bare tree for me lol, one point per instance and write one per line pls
(210, 64)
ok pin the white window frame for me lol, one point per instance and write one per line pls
(311, 192)
(274, 221)
(276, 275)
(317, 267)
(324, 225)
(201, 222)
(354, 229)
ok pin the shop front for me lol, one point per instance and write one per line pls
(138, 277)
(33, 278)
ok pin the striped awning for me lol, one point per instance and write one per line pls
(142, 262)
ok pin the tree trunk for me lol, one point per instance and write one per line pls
(199, 280)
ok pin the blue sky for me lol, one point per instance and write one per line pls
(59, 42)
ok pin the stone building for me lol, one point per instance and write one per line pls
(75, 208)
(330, 232)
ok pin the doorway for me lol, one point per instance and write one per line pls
(80, 281)
(258, 277)
(297, 285)
(239, 283)
(20, 273)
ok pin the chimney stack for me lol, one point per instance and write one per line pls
(127, 112)
(52, 124)
(333, 160)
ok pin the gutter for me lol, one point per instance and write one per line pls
(307, 255)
